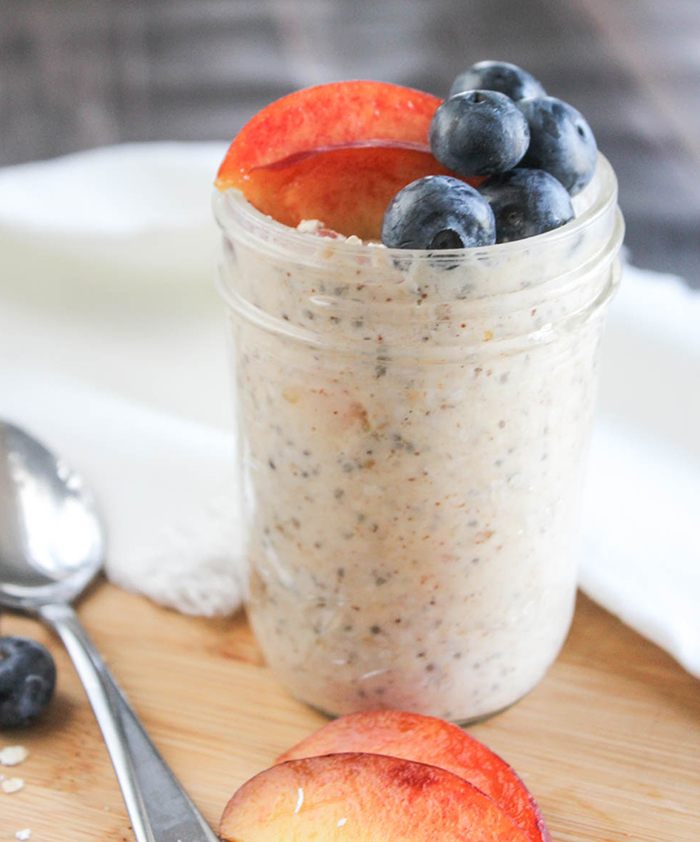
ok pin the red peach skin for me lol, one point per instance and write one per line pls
(363, 798)
(426, 739)
(327, 116)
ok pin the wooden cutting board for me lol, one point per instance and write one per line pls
(609, 742)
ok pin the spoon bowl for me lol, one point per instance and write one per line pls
(51, 538)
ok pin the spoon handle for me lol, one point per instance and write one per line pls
(159, 808)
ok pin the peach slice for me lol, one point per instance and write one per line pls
(328, 116)
(363, 798)
(336, 152)
(426, 739)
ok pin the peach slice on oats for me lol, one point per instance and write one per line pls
(337, 152)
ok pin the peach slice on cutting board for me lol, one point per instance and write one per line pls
(363, 798)
(337, 152)
(426, 739)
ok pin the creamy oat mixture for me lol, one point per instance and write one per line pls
(413, 436)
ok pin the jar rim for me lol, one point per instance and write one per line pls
(233, 211)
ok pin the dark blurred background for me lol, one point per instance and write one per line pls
(81, 73)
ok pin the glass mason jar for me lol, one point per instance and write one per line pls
(412, 437)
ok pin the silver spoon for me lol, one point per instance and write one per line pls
(51, 548)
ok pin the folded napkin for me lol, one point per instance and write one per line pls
(640, 553)
(112, 352)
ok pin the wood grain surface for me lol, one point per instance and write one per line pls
(609, 742)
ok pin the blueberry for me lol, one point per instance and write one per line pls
(501, 76)
(438, 212)
(561, 142)
(526, 203)
(479, 133)
(27, 680)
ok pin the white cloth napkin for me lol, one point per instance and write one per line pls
(112, 352)
(640, 553)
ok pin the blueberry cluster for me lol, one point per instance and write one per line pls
(535, 151)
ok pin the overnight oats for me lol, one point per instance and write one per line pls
(413, 427)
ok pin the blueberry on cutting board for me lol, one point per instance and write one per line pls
(561, 142)
(526, 203)
(501, 76)
(438, 212)
(479, 133)
(27, 680)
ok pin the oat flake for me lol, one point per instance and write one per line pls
(12, 785)
(13, 755)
